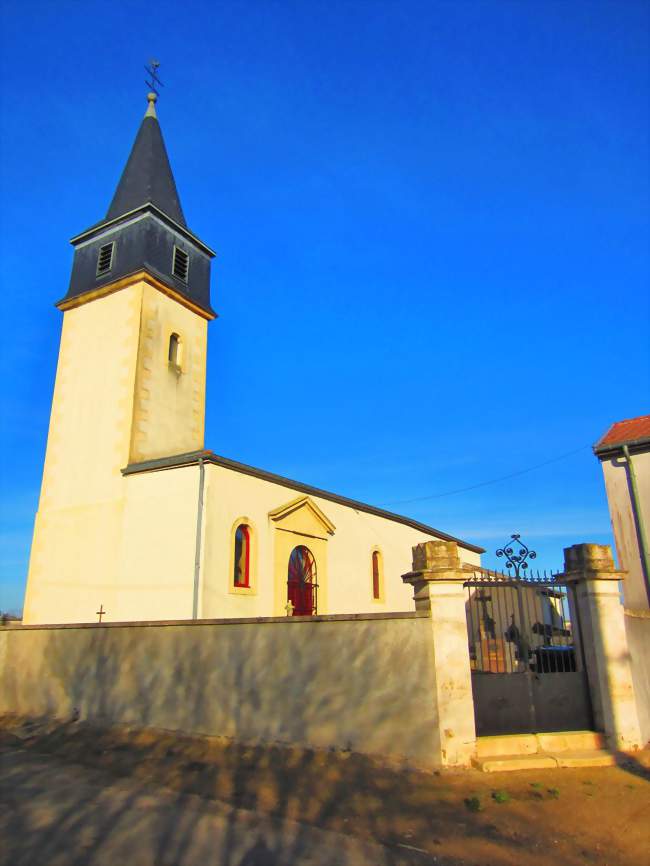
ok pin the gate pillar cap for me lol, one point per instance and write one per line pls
(590, 562)
(435, 560)
(440, 575)
(435, 554)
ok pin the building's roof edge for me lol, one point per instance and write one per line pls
(148, 274)
(147, 206)
(193, 457)
(609, 449)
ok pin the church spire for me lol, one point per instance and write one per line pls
(147, 176)
(143, 233)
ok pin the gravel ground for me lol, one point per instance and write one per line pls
(73, 793)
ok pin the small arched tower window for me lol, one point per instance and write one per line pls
(376, 575)
(242, 567)
(175, 354)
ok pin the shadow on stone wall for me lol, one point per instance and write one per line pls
(342, 684)
(349, 686)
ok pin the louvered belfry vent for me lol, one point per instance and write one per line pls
(180, 264)
(105, 258)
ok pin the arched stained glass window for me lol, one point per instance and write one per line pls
(302, 587)
(241, 575)
(376, 574)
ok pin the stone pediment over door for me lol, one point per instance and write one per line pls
(303, 517)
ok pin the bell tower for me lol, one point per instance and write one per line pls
(130, 381)
(143, 253)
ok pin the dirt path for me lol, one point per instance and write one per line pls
(60, 814)
(76, 794)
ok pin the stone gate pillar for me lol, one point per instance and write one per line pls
(590, 567)
(437, 579)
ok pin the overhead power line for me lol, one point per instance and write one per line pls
(491, 481)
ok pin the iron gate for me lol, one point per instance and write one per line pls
(526, 658)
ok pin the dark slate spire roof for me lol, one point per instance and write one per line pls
(143, 231)
(147, 176)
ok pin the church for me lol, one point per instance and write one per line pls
(137, 521)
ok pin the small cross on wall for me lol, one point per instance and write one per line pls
(100, 613)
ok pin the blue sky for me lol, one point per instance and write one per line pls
(432, 231)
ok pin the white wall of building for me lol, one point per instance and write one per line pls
(622, 517)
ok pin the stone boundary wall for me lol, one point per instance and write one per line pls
(363, 682)
(150, 623)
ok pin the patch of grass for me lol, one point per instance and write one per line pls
(501, 796)
(473, 804)
(555, 793)
(536, 785)
(587, 782)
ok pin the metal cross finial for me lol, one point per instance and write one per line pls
(100, 613)
(153, 82)
(518, 560)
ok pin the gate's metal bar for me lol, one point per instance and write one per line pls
(563, 625)
(492, 629)
(525, 651)
(498, 628)
(514, 618)
(531, 598)
(574, 639)
(505, 626)
(472, 630)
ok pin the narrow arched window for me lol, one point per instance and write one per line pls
(241, 576)
(376, 575)
(174, 354)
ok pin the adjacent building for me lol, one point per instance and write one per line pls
(624, 454)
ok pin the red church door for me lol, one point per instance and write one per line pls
(302, 587)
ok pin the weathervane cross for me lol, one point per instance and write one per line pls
(153, 82)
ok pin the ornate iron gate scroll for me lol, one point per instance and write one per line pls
(526, 658)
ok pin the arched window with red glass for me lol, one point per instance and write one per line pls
(377, 576)
(242, 567)
(302, 585)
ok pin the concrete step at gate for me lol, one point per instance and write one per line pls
(502, 763)
(541, 751)
(571, 741)
(506, 744)
(593, 758)
(528, 744)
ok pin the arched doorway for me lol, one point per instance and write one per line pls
(302, 588)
